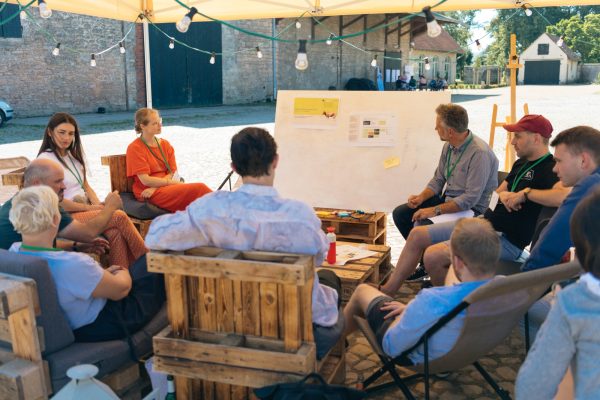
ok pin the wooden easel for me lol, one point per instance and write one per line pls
(513, 66)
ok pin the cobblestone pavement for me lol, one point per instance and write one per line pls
(503, 364)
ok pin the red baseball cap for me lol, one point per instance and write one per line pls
(532, 123)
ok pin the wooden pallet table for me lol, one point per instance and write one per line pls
(367, 228)
(370, 269)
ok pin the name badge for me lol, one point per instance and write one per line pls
(494, 200)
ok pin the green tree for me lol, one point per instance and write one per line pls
(581, 35)
(527, 28)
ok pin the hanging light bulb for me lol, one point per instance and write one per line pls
(427, 65)
(528, 11)
(560, 42)
(258, 52)
(184, 24)
(478, 44)
(329, 39)
(213, 58)
(412, 45)
(22, 14)
(433, 28)
(122, 48)
(301, 58)
(56, 50)
(93, 61)
(374, 61)
(171, 43)
(45, 11)
(298, 24)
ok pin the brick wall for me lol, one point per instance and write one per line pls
(34, 82)
(246, 78)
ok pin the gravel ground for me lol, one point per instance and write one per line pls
(201, 138)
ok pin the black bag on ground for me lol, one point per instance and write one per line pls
(308, 391)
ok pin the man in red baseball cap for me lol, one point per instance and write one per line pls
(515, 205)
(532, 123)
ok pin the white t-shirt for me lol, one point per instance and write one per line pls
(76, 276)
(73, 188)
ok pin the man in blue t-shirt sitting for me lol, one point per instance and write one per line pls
(475, 248)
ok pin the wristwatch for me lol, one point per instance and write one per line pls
(526, 193)
(438, 210)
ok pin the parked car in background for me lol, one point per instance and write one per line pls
(6, 113)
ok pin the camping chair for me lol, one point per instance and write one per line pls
(492, 311)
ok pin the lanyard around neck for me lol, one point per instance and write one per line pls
(38, 248)
(164, 159)
(520, 175)
(75, 171)
(450, 168)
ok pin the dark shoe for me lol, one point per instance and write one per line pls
(426, 283)
(418, 275)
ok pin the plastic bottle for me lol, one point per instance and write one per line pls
(331, 238)
(170, 388)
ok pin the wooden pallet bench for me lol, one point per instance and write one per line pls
(238, 320)
(367, 228)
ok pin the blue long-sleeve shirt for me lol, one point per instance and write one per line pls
(555, 239)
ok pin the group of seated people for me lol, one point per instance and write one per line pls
(57, 216)
(404, 83)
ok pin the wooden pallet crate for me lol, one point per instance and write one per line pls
(367, 228)
(238, 320)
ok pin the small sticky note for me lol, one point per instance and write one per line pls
(391, 162)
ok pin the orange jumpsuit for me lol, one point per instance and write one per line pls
(141, 160)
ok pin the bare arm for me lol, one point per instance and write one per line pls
(114, 285)
(91, 194)
(87, 232)
(73, 206)
(546, 197)
(155, 182)
(549, 197)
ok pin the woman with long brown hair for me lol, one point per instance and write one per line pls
(151, 163)
(62, 143)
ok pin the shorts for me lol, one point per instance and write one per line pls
(375, 317)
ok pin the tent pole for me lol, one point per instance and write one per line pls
(147, 72)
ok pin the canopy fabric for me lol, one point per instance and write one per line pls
(170, 11)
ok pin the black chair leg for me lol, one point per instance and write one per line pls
(503, 394)
(527, 337)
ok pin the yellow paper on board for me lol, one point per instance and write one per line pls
(311, 106)
(391, 162)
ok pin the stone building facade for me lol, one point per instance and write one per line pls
(34, 82)
(37, 83)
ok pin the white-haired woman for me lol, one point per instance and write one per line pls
(100, 304)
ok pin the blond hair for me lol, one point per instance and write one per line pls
(34, 209)
(142, 117)
(477, 244)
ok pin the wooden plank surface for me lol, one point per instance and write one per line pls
(292, 327)
(222, 373)
(250, 271)
(299, 362)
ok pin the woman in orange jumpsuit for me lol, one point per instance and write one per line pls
(151, 163)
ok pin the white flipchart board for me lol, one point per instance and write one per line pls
(322, 168)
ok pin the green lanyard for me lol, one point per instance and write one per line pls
(450, 168)
(164, 159)
(75, 173)
(520, 175)
(37, 248)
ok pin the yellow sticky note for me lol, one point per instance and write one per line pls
(391, 162)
